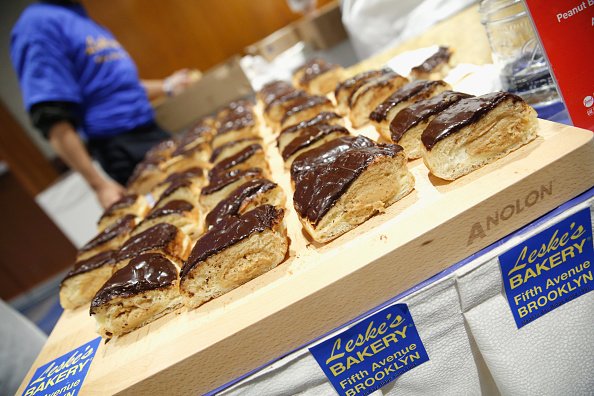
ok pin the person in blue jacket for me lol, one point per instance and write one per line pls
(77, 79)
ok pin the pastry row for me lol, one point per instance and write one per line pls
(212, 228)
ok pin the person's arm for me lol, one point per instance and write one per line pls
(68, 145)
(172, 85)
(154, 88)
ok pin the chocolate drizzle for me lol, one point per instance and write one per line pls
(442, 55)
(171, 207)
(122, 226)
(149, 271)
(274, 90)
(217, 152)
(324, 117)
(125, 202)
(359, 80)
(236, 159)
(189, 174)
(231, 205)
(222, 180)
(464, 112)
(374, 83)
(230, 231)
(199, 133)
(420, 111)
(407, 92)
(174, 186)
(287, 98)
(317, 190)
(304, 103)
(326, 153)
(98, 260)
(236, 121)
(311, 135)
(156, 237)
(314, 68)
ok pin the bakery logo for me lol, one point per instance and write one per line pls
(480, 229)
(372, 353)
(588, 101)
(65, 375)
(549, 269)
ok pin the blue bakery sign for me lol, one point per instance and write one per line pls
(372, 353)
(63, 376)
(550, 269)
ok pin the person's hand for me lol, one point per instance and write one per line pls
(180, 80)
(109, 192)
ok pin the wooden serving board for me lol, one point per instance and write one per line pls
(321, 287)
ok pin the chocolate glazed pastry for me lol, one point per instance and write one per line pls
(405, 93)
(161, 238)
(339, 189)
(221, 180)
(149, 271)
(310, 138)
(345, 89)
(252, 155)
(251, 194)
(433, 64)
(223, 184)
(139, 293)
(98, 260)
(124, 202)
(301, 105)
(327, 153)
(82, 282)
(233, 252)
(408, 125)
(399, 100)
(133, 204)
(476, 131)
(171, 207)
(111, 237)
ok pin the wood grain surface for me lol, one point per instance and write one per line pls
(321, 287)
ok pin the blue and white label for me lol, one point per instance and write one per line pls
(63, 376)
(549, 269)
(372, 353)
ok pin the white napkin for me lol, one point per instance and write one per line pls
(451, 367)
(554, 355)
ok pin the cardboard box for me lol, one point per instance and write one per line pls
(323, 28)
(218, 86)
(275, 44)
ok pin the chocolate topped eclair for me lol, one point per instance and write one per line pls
(406, 127)
(110, 238)
(249, 195)
(233, 252)
(139, 293)
(162, 238)
(133, 204)
(305, 108)
(310, 138)
(222, 184)
(251, 156)
(86, 277)
(366, 97)
(317, 76)
(325, 117)
(476, 131)
(382, 115)
(344, 189)
(435, 67)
